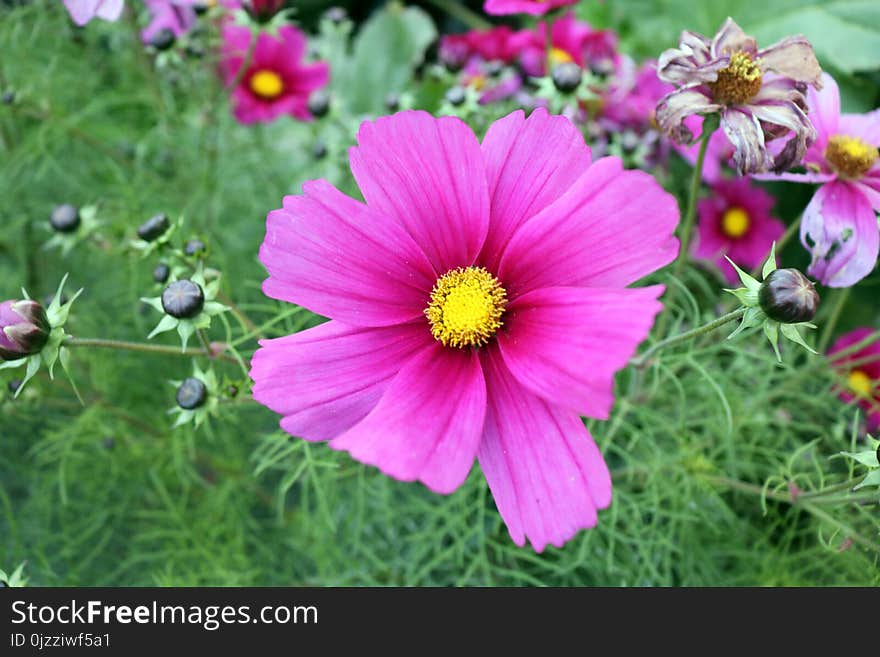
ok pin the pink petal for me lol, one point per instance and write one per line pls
(793, 57)
(838, 209)
(610, 229)
(863, 126)
(327, 379)
(543, 468)
(428, 174)
(811, 177)
(428, 424)
(566, 343)
(336, 257)
(824, 110)
(529, 164)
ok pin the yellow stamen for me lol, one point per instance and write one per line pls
(851, 157)
(267, 84)
(466, 307)
(738, 82)
(477, 82)
(735, 222)
(559, 56)
(860, 383)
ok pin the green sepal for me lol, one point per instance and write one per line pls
(771, 330)
(872, 479)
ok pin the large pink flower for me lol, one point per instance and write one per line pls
(277, 82)
(479, 306)
(839, 224)
(735, 221)
(82, 11)
(533, 7)
(862, 371)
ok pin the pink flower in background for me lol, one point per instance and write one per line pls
(839, 225)
(533, 7)
(736, 221)
(277, 82)
(472, 315)
(719, 153)
(478, 55)
(862, 372)
(178, 16)
(631, 97)
(82, 11)
(571, 40)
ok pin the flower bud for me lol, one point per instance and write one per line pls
(183, 299)
(336, 15)
(319, 150)
(191, 394)
(455, 96)
(24, 329)
(788, 297)
(13, 386)
(319, 103)
(154, 227)
(163, 39)
(263, 11)
(7, 98)
(161, 272)
(65, 218)
(392, 102)
(194, 247)
(566, 77)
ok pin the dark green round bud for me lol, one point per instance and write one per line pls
(566, 77)
(319, 150)
(161, 272)
(7, 98)
(787, 296)
(194, 247)
(154, 227)
(456, 96)
(109, 442)
(163, 39)
(493, 69)
(65, 218)
(191, 394)
(336, 15)
(183, 299)
(201, 8)
(319, 103)
(392, 102)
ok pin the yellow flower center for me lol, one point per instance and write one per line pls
(735, 222)
(477, 82)
(267, 84)
(850, 156)
(559, 56)
(466, 307)
(738, 82)
(859, 383)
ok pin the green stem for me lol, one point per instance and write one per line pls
(101, 343)
(641, 361)
(457, 10)
(831, 324)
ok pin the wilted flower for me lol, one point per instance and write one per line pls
(24, 329)
(277, 81)
(735, 221)
(758, 93)
(533, 7)
(862, 372)
(82, 11)
(839, 226)
(472, 315)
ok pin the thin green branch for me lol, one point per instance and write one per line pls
(641, 361)
(100, 343)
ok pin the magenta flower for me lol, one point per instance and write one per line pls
(533, 7)
(82, 11)
(178, 16)
(24, 329)
(631, 97)
(839, 226)
(478, 305)
(477, 55)
(736, 221)
(862, 372)
(277, 82)
(759, 94)
(571, 40)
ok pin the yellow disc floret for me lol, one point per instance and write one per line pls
(466, 307)
(738, 82)
(559, 56)
(850, 156)
(267, 84)
(859, 383)
(735, 222)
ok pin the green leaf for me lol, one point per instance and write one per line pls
(873, 479)
(386, 51)
(868, 458)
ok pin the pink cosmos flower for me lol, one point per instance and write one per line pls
(533, 7)
(862, 372)
(632, 95)
(571, 40)
(839, 226)
(82, 11)
(277, 82)
(178, 16)
(478, 54)
(719, 152)
(735, 221)
(478, 306)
